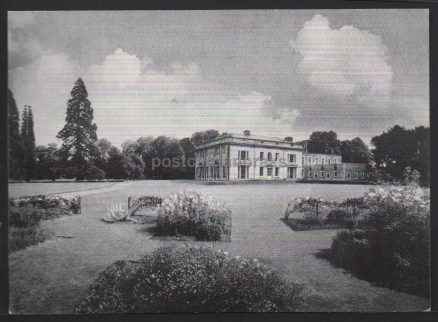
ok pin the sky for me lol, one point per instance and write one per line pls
(275, 72)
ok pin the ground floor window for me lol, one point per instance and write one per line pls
(269, 170)
(355, 176)
(362, 175)
(261, 171)
(291, 172)
(348, 175)
(335, 175)
(224, 172)
(243, 172)
(277, 171)
(315, 175)
(328, 175)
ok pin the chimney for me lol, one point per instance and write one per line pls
(289, 139)
(246, 133)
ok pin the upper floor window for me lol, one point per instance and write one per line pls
(243, 155)
(317, 160)
(262, 156)
(329, 161)
(322, 160)
(276, 156)
(269, 156)
(292, 158)
(302, 160)
(310, 160)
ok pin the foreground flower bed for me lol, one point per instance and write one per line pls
(190, 279)
(391, 242)
(191, 213)
(25, 215)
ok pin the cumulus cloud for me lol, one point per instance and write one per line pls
(131, 98)
(343, 62)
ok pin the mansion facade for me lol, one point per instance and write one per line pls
(232, 157)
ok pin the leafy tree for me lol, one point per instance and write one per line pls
(169, 154)
(324, 142)
(202, 137)
(101, 159)
(355, 151)
(399, 148)
(188, 171)
(118, 165)
(16, 149)
(28, 137)
(79, 133)
(47, 162)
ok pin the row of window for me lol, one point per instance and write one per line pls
(244, 155)
(328, 175)
(322, 160)
(212, 172)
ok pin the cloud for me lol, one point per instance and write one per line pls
(343, 62)
(131, 98)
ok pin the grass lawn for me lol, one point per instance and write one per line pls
(52, 276)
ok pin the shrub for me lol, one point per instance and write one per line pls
(193, 214)
(392, 246)
(68, 204)
(190, 279)
(22, 237)
(137, 203)
(28, 215)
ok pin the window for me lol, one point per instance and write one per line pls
(328, 175)
(348, 175)
(269, 170)
(334, 160)
(322, 174)
(303, 160)
(292, 158)
(355, 176)
(329, 161)
(310, 160)
(276, 156)
(317, 160)
(277, 171)
(261, 171)
(316, 175)
(262, 155)
(242, 172)
(224, 172)
(323, 160)
(269, 156)
(243, 155)
(362, 175)
(217, 150)
(335, 175)
(291, 172)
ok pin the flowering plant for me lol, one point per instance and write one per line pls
(192, 213)
(190, 279)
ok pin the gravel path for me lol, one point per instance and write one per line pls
(52, 276)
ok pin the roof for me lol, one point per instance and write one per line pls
(229, 137)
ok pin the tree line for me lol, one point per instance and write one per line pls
(85, 157)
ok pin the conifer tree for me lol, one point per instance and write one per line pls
(16, 147)
(79, 133)
(28, 136)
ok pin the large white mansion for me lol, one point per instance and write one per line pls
(244, 156)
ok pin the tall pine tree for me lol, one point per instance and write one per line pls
(79, 133)
(28, 136)
(16, 147)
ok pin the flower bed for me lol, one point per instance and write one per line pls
(68, 204)
(190, 279)
(25, 215)
(192, 213)
(391, 243)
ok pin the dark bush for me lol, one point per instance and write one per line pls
(94, 173)
(190, 279)
(29, 216)
(391, 248)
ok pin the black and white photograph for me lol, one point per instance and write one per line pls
(184, 161)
